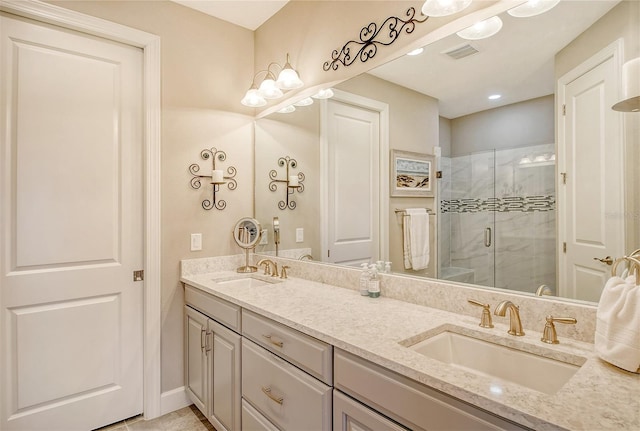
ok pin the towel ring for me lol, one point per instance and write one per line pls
(634, 264)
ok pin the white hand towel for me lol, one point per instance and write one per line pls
(416, 239)
(618, 323)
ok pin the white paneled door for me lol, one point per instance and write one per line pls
(71, 236)
(353, 147)
(590, 181)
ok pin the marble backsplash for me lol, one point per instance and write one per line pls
(432, 293)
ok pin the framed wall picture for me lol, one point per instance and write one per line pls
(412, 174)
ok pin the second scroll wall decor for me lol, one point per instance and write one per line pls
(372, 36)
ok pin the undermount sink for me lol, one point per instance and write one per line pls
(246, 281)
(501, 363)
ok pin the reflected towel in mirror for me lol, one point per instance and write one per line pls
(415, 232)
(618, 323)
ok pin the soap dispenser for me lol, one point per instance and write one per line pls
(365, 275)
(374, 282)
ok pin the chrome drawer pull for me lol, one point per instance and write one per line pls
(267, 392)
(275, 343)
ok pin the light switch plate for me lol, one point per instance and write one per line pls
(196, 241)
(264, 238)
(299, 234)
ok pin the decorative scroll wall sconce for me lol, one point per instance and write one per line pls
(293, 182)
(371, 37)
(216, 177)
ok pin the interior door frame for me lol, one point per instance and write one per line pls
(383, 210)
(614, 51)
(150, 45)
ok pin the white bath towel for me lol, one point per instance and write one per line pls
(618, 323)
(415, 231)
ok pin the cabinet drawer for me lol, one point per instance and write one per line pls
(306, 352)
(288, 397)
(410, 403)
(252, 420)
(350, 415)
(224, 312)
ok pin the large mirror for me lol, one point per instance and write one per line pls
(528, 195)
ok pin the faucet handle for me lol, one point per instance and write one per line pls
(549, 334)
(267, 267)
(485, 320)
(283, 271)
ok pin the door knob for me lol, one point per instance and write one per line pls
(606, 260)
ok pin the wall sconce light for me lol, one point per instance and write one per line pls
(437, 8)
(216, 179)
(482, 29)
(293, 182)
(270, 87)
(630, 87)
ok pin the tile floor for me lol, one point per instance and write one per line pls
(185, 419)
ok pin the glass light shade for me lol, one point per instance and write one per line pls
(444, 7)
(287, 109)
(482, 29)
(269, 90)
(532, 8)
(630, 87)
(325, 93)
(288, 78)
(253, 98)
(304, 102)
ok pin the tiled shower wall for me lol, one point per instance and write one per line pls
(493, 190)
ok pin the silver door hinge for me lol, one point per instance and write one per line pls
(564, 109)
(564, 247)
(328, 253)
(564, 177)
(138, 275)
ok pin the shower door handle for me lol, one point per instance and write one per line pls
(487, 237)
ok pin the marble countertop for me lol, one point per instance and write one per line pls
(598, 397)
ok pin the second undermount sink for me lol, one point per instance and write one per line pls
(501, 363)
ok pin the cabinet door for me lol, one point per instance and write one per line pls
(195, 325)
(350, 415)
(224, 372)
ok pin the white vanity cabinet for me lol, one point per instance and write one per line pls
(407, 402)
(283, 376)
(212, 361)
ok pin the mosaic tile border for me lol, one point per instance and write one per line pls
(505, 204)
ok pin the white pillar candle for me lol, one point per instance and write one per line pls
(217, 176)
(293, 181)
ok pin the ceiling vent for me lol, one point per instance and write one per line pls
(461, 51)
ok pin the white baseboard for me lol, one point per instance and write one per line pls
(173, 400)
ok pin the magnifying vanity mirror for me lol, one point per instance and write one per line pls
(246, 234)
(521, 203)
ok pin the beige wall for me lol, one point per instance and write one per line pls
(623, 22)
(413, 126)
(201, 58)
(531, 122)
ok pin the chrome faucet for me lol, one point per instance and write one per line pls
(515, 325)
(270, 267)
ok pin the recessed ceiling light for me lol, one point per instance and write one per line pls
(532, 8)
(325, 93)
(482, 29)
(416, 51)
(495, 96)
